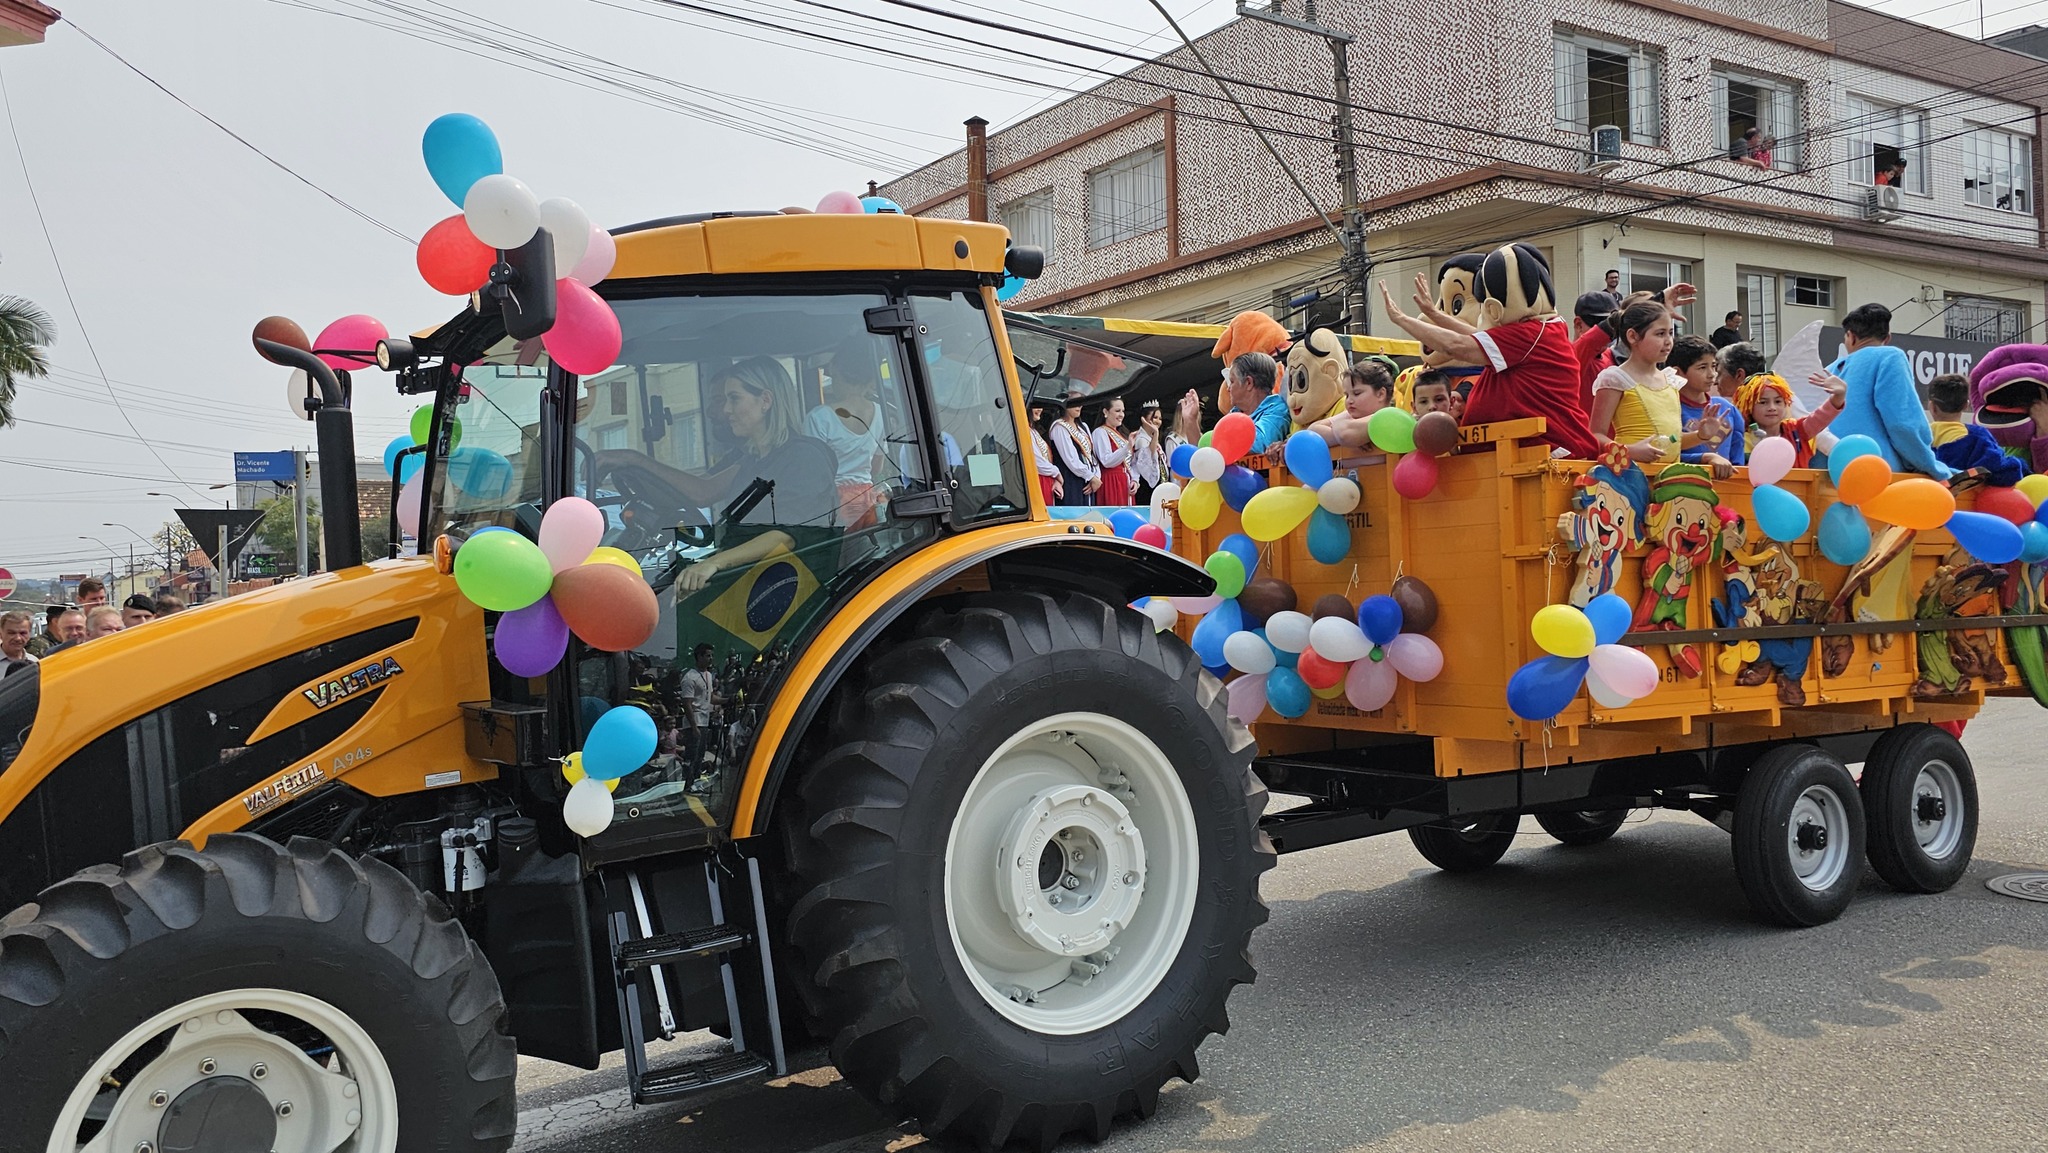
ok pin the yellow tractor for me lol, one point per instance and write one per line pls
(290, 871)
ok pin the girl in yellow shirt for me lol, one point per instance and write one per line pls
(1636, 401)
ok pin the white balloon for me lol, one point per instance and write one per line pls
(1164, 615)
(409, 503)
(1629, 671)
(1248, 652)
(1415, 656)
(569, 226)
(1339, 640)
(1166, 491)
(587, 810)
(1288, 631)
(599, 254)
(296, 391)
(1338, 495)
(1604, 694)
(1207, 464)
(501, 211)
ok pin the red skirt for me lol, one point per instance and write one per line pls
(1045, 484)
(1116, 487)
(857, 501)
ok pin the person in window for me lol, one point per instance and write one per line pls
(850, 423)
(1892, 175)
(1753, 149)
(1074, 452)
(759, 403)
(1113, 455)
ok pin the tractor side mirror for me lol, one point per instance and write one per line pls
(1026, 261)
(523, 284)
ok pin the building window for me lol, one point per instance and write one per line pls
(1998, 170)
(1756, 298)
(1742, 102)
(1031, 222)
(1985, 320)
(1810, 291)
(1651, 273)
(1883, 136)
(611, 436)
(1599, 83)
(1127, 197)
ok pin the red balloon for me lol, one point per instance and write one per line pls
(1415, 476)
(610, 607)
(1320, 672)
(2006, 503)
(452, 260)
(1150, 534)
(1233, 436)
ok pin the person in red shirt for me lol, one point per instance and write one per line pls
(1529, 366)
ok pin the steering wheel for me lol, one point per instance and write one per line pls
(647, 506)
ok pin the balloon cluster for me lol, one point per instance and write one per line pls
(564, 584)
(353, 340)
(620, 741)
(499, 213)
(1131, 524)
(1581, 646)
(1214, 477)
(1420, 441)
(1864, 486)
(2026, 505)
(1322, 498)
(1360, 654)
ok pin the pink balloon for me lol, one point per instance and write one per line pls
(841, 202)
(352, 332)
(1247, 696)
(410, 500)
(585, 339)
(570, 531)
(1628, 670)
(1150, 534)
(598, 258)
(1194, 606)
(1370, 684)
(1770, 460)
(1415, 656)
(1415, 476)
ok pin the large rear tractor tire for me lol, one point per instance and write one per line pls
(248, 996)
(1032, 869)
(1920, 801)
(1798, 836)
(1466, 844)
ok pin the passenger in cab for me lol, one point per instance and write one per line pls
(850, 423)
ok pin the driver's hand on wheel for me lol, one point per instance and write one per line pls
(697, 575)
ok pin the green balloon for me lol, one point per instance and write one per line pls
(423, 427)
(1229, 574)
(502, 571)
(1205, 440)
(1391, 430)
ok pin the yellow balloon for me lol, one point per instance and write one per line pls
(606, 554)
(1915, 502)
(1200, 502)
(1562, 631)
(1331, 693)
(2034, 487)
(1275, 512)
(572, 771)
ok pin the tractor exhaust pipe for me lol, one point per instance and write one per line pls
(283, 342)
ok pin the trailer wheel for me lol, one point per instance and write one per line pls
(248, 996)
(1032, 870)
(1582, 828)
(1920, 797)
(1466, 844)
(1798, 836)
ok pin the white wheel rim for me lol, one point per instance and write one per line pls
(1939, 836)
(1095, 803)
(343, 1102)
(1817, 838)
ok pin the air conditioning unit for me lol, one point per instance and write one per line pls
(1881, 204)
(1606, 152)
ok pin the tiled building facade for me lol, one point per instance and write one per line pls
(1156, 201)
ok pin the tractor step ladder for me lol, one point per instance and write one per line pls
(739, 945)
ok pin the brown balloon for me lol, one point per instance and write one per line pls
(281, 330)
(1436, 434)
(1334, 605)
(610, 607)
(1264, 596)
(1418, 603)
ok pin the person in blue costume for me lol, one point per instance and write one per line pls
(1879, 400)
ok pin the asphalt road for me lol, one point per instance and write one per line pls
(1617, 997)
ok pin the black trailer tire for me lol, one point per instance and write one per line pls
(999, 736)
(1466, 844)
(1582, 828)
(245, 953)
(1920, 802)
(1798, 836)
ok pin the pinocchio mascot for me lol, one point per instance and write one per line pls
(1455, 297)
(1530, 368)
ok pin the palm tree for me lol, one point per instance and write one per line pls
(24, 331)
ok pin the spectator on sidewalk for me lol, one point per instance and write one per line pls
(101, 620)
(69, 628)
(40, 644)
(136, 610)
(1612, 284)
(1729, 332)
(92, 593)
(15, 630)
(168, 603)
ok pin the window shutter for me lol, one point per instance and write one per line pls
(1565, 56)
(1721, 139)
(1645, 96)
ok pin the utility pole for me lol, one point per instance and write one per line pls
(299, 508)
(1357, 260)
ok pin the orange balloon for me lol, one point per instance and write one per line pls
(1916, 502)
(1863, 478)
(1233, 436)
(609, 607)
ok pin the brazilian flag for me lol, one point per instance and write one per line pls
(761, 603)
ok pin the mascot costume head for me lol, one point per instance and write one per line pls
(2005, 383)
(1514, 284)
(1314, 383)
(1248, 332)
(1454, 295)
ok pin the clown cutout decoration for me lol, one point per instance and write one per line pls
(1958, 660)
(1763, 589)
(1686, 530)
(1609, 521)
(1315, 378)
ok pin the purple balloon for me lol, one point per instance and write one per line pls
(530, 641)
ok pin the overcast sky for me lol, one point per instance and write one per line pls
(175, 239)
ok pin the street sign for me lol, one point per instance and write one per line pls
(6, 583)
(206, 525)
(264, 466)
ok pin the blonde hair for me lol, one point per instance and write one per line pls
(765, 376)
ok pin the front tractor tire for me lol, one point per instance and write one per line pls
(248, 996)
(1030, 868)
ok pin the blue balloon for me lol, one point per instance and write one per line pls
(482, 473)
(1285, 659)
(1782, 516)
(879, 204)
(589, 708)
(1012, 285)
(398, 444)
(1844, 534)
(2034, 542)
(1329, 537)
(622, 740)
(1287, 692)
(460, 150)
(1245, 549)
(1217, 671)
(1847, 449)
(1542, 688)
(1181, 461)
(1213, 629)
(1308, 458)
(2041, 514)
(1991, 539)
(1380, 618)
(1125, 522)
(1240, 485)
(1611, 617)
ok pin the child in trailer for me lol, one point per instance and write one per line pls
(1693, 360)
(1368, 388)
(1432, 392)
(1636, 402)
(1963, 446)
(1873, 383)
(1461, 393)
(1766, 400)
